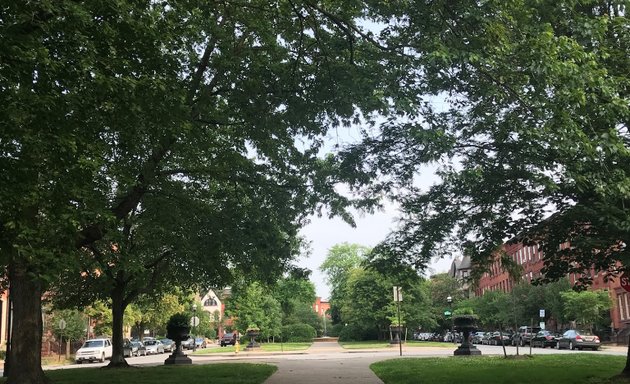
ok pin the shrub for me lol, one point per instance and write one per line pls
(335, 330)
(355, 333)
(298, 333)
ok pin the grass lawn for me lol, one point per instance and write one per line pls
(266, 347)
(215, 373)
(55, 360)
(385, 343)
(540, 369)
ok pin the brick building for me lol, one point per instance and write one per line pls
(321, 307)
(530, 257)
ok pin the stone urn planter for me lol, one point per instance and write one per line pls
(252, 333)
(466, 324)
(178, 330)
(396, 333)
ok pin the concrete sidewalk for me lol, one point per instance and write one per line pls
(346, 371)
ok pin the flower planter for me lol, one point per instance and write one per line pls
(396, 333)
(466, 324)
(252, 334)
(177, 334)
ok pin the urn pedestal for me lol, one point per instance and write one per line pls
(466, 324)
(396, 332)
(177, 334)
(252, 339)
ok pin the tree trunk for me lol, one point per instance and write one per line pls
(25, 354)
(502, 341)
(626, 369)
(118, 311)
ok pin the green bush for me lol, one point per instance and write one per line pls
(353, 333)
(211, 334)
(298, 333)
(335, 330)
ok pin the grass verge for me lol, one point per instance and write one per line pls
(266, 347)
(558, 369)
(218, 373)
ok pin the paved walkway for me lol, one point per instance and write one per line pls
(330, 371)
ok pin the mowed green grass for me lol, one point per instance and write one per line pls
(210, 373)
(265, 347)
(575, 368)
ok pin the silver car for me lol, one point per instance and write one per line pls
(154, 346)
(574, 339)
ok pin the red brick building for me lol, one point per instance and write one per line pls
(321, 307)
(530, 257)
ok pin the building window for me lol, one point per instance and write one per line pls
(211, 302)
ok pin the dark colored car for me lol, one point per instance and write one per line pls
(229, 339)
(544, 339)
(524, 335)
(498, 338)
(138, 348)
(574, 339)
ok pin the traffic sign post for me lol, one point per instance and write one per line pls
(62, 325)
(398, 299)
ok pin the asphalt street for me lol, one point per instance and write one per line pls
(327, 362)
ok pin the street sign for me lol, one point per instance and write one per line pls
(398, 293)
(62, 324)
(625, 281)
(542, 313)
(194, 321)
(447, 313)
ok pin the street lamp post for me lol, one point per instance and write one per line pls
(194, 308)
(449, 300)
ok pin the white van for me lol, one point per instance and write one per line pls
(94, 350)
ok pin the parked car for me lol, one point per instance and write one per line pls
(94, 350)
(200, 342)
(168, 344)
(154, 347)
(477, 337)
(573, 339)
(524, 335)
(487, 337)
(229, 339)
(138, 348)
(127, 349)
(496, 337)
(544, 339)
(188, 343)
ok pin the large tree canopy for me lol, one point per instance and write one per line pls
(524, 107)
(104, 103)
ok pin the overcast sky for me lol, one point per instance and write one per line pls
(323, 233)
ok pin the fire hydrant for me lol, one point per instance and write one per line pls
(236, 346)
